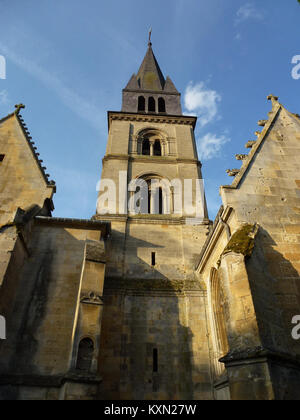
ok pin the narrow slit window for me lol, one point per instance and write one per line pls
(155, 360)
(2, 158)
(153, 259)
(160, 197)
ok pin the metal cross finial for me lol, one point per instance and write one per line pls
(150, 34)
(18, 108)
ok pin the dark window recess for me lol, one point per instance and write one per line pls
(2, 158)
(155, 360)
(161, 105)
(85, 355)
(153, 262)
(160, 210)
(157, 148)
(142, 104)
(149, 200)
(151, 105)
(146, 147)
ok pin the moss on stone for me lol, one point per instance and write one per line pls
(153, 285)
(242, 241)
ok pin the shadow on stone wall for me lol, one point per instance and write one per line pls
(143, 316)
(275, 285)
(38, 289)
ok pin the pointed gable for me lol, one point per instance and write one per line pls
(23, 181)
(133, 83)
(169, 86)
(280, 132)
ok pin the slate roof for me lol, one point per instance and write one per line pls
(150, 76)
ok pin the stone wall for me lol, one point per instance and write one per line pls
(265, 194)
(138, 322)
(56, 303)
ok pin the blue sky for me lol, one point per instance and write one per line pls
(69, 60)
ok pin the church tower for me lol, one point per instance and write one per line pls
(154, 332)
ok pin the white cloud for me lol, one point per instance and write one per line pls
(202, 101)
(210, 145)
(3, 97)
(248, 11)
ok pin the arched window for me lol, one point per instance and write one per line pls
(85, 355)
(151, 105)
(158, 143)
(146, 147)
(155, 198)
(152, 196)
(141, 104)
(157, 148)
(161, 105)
(218, 318)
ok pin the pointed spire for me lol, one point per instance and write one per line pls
(150, 76)
(149, 84)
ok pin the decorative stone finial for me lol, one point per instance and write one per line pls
(18, 108)
(272, 98)
(262, 123)
(250, 144)
(241, 157)
(233, 172)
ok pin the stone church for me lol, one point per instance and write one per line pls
(152, 305)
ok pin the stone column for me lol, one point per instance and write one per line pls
(151, 147)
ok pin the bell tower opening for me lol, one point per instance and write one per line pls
(142, 104)
(151, 104)
(161, 106)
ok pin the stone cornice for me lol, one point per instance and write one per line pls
(151, 219)
(259, 355)
(55, 381)
(152, 159)
(102, 226)
(150, 92)
(151, 118)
